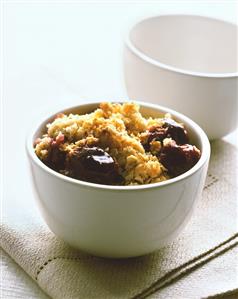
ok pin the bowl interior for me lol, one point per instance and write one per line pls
(192, 43)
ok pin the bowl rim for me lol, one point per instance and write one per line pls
(205, 145)
(129, 44)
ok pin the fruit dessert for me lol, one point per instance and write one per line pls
(116, 145)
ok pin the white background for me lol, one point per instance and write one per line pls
(56, 54)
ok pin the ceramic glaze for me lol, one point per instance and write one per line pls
(119, 221)
(187, 63)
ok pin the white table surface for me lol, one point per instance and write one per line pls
(56, 54)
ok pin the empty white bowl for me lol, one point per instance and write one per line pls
(118, 221)
(187, 63)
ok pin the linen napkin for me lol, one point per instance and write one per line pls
(63, 272)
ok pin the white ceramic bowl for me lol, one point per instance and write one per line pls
(118, 221)
(187, 63)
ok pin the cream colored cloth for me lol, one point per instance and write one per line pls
(215, 276)
(212, 232)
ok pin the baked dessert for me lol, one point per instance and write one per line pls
(116, 145)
